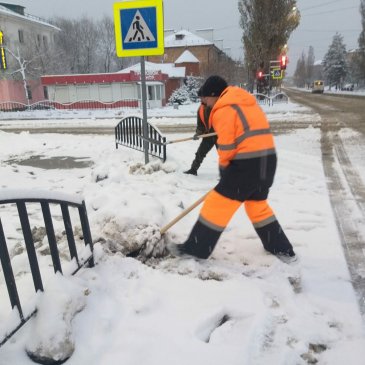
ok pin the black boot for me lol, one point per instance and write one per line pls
(191, 171)
(200, 243)
(194, 168)
(274, 239)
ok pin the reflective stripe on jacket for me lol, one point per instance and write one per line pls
(203, 120)
(242, 127)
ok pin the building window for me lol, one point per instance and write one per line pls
(151, 93)
(45, 92)
(45, 42)
(38, 40)
(21, 36)
(29, 93)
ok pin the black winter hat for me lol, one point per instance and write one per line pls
(213, 86)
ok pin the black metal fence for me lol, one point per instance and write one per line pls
(129, 133)
(43, 201)
(279, 98)
(264, 99)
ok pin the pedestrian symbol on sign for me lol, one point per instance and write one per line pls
(139, 30)
(276, 74)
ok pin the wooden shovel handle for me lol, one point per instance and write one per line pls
(183, 214)
(191, 138)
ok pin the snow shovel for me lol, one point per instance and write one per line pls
(177, 140)
(164, 229)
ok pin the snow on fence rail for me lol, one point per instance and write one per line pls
(63, 250)
(14, 106)
(264, 99)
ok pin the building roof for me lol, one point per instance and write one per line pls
(184, 38)
(4, 10)
(167, 68)
(187, 57)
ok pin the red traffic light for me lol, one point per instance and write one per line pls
(283, 62)
(260, 75)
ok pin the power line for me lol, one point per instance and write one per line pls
(330, 30)
(319, 6)
(331, 11)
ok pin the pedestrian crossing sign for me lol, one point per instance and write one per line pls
(277, 73)
(139, 29)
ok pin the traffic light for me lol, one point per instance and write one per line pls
(283, 62)
(260, 75)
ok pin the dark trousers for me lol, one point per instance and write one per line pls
(247, 182)
(205, 146)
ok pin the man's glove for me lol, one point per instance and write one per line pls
(195, 136)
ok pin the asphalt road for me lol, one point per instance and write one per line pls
(337, 112)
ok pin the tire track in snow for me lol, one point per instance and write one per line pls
(346, 192)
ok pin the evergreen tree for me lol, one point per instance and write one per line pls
(192, 85)
(180, 96)
(334, 62)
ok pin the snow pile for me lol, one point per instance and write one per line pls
(141, 240)
(58, 305)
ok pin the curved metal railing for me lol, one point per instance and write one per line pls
(129, 133)
(14, 106)
(43, 201)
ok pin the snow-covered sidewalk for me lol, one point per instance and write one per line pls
(242, 306)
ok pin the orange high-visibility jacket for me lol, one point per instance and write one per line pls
(203, 119)
(242, 127)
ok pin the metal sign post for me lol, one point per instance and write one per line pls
(139, 31)
(144, 110)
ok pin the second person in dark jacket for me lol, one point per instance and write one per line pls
(206, 143)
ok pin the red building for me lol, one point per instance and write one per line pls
(116, 89)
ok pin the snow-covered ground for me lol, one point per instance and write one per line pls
(242, 306)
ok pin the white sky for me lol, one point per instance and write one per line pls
(134, 314)
(320, 20)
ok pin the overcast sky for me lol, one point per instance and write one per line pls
(319, 22)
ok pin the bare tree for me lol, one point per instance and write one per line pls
(267, 26)
(300, 72)
(23, 65)
(89, 43)
(360, 57)
(67, 47)
(310, 66)
(76, 46)
(106, 49)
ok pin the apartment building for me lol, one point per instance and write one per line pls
(24, 38)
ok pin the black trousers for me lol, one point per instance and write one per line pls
(205, 146)
(241, 181)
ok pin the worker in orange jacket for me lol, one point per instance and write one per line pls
(247, 163)
(207, 143)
